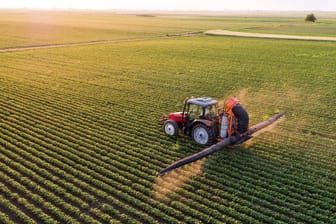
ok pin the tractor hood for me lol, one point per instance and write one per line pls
(177, 116)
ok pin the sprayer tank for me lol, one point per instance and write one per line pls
(224, 126)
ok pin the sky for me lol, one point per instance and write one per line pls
(215, 5)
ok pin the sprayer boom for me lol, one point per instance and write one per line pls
(222, 144)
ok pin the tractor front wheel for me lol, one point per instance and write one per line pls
(170, 128)
(202, 134)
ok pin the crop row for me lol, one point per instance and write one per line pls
(264, 166)
(68, 178)
(29, 204)
(79, 134)
(84, 132)
(108, 121)
(100, 185)
(97, 138)
(67, 81)
(62, 124)
(46, 134)
(161, 80)
(12, 210)
(67, 86)
(44, 187)
(315, 155)
(93, 173)
(272, 194)
(266, 171)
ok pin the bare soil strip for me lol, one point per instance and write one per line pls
(264, 35)
(33, 47)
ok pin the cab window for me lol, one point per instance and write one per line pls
(210, 112)
(195, 111)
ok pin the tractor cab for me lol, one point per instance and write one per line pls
(201, 108)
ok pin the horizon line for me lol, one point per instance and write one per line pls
(163, 10)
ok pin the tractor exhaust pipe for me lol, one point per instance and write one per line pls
(220, 145)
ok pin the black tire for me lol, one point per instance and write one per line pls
(202, 134)
(170, 128)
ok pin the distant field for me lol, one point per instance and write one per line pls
(268, 35)
(80, 143)
(323, 27)
(38, 28)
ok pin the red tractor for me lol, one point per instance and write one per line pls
(206, 123)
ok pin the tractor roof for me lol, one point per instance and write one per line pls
(202, 101)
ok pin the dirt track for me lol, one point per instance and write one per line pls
(271, 36)
(32, 47)
(209, 32)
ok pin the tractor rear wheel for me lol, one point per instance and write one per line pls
(202, 134)
(170, 128)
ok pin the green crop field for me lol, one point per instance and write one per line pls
(22, 28)
(80, 142)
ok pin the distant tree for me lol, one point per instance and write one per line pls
(310, 18)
